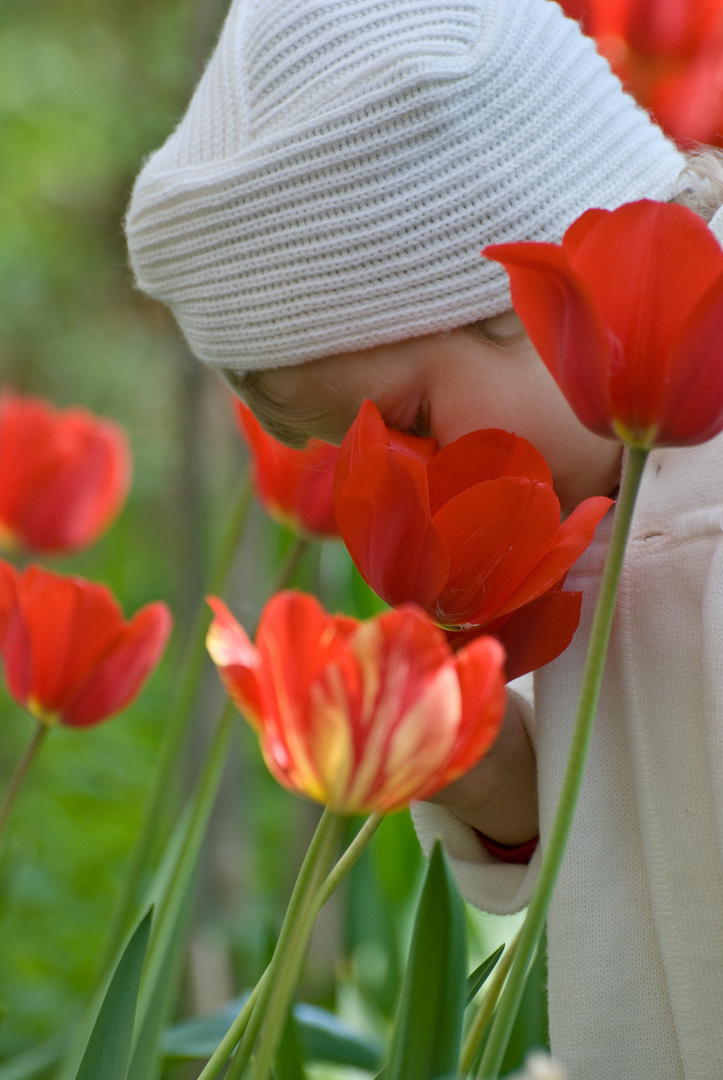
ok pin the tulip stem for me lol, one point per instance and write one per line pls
(347, 860)
(482, 1017)
(175, 729)
(238, 1028)
(20, 772)
(587, 703)
(223, 1051)
(280, 977)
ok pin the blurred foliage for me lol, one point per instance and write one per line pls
(87, 89)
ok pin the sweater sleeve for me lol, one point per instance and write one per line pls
(483, 880)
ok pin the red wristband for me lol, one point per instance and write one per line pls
(509, 853)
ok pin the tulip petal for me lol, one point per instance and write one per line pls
(670, 258)
(558, 310)
(8, 576)
(574, 537)
(539, 632)
(481, 673)
(295, 486)
(369, 430)
(80, 490)
(383, 514)
(496, 533)
(411, 708)
(68, 655)
(63, 474)
(480, 456)
(691, 407)
(297, 640)
(118, 677)
(66, 627)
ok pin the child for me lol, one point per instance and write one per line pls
(315, 224)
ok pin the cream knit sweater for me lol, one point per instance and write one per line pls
(635, 930)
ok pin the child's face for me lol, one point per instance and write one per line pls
(446, 385)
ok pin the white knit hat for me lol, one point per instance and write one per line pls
(342, 163)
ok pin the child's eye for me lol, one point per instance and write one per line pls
(420, 427)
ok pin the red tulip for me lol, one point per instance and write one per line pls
(294, 486)
(669, 56)
(660, 28)
(361, 716)
(687, 101)
(471, 532)
(627, 314)
(69, 657)
(64, 475)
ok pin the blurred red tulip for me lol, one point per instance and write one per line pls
(64, 475)
(471, 532)
(360, 716)
(69, 657)
(668, 54)
(294, 486)
(662, 28)
(627, 314)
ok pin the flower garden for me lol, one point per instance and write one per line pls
(289, 646)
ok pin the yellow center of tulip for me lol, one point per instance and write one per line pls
(635, 438)
(44, 716)
(8, 539)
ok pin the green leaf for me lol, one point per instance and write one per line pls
(480, 975)
(145, 1063)
(428, 1030)
(323, 1037)
(33, 1063)
(109, 1047)
(161, 980)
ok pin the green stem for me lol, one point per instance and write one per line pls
(587, 704)
(299, 898)
(347, 860)
(223, 1051)
(289, 954)
(175, 729)
(479, 1025)
(320, 897)
(20, 772)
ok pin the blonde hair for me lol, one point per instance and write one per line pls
(700, 187)
(701, 182)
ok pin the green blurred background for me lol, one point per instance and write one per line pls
(87, 89)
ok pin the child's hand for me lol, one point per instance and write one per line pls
(498, 797)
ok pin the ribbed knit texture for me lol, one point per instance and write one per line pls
(342, 163)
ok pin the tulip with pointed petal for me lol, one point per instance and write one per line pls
(294, 486)
(64, 475)
(362, 716)
(627, 314)
(471, 532)
(68, 655)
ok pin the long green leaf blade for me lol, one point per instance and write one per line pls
(109, 1046)
(480, 975)
(428, 1030)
